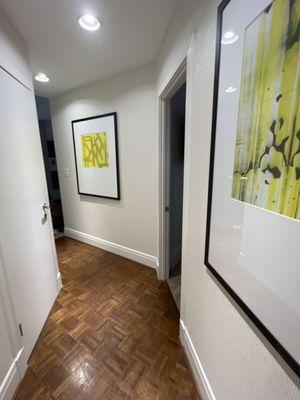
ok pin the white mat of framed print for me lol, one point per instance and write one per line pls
(253, 225)
(96, 155)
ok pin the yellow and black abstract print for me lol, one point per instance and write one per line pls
(94, 147)
(267, 155)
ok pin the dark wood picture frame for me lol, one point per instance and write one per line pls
(250, 314)
(114, 114)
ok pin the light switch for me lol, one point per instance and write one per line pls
(66, 172)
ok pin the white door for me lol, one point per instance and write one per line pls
(27, 242)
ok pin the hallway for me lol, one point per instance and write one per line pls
(112, 334)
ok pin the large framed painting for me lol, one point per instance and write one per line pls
(96, 155)
(253, 221)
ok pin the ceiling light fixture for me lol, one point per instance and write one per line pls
(89, 22)
(42, 78)
(230, 89)
(229, 37)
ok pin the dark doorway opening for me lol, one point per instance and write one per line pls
(46, 133)
(177, 137)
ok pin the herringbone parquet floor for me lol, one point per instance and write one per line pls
(112, 334)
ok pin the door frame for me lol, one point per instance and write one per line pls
(164, 142)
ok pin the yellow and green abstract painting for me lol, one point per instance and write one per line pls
(267, 154)
(94, 149)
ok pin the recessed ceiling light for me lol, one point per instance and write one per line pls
(229, 37)
(230, 89)
(89, 22)
(41, 77)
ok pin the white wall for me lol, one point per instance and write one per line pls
(237, 362)
(131, 222)
(11, 367)
(7, 355)
(13, 58)
(13, 53)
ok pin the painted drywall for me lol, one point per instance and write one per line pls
(13, 58)
(13, 52)
(237, 361)
(6, 351)
(132, 221)
(19, 261)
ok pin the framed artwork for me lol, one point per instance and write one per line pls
(253, 221)
(96, 155)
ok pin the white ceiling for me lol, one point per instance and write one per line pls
(131, 35)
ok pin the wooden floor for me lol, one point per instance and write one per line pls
(112, 334)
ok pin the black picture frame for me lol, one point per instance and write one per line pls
(250, 314)
(114, 114)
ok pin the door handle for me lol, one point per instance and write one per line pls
(45, 207)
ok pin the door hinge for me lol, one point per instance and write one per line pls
(21, 329)
(167, 209)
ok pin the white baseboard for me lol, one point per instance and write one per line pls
(21, 362)
(59, 281)
(197, 368)
(138, 256)
(11, 381)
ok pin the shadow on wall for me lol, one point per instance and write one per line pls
(103, 201)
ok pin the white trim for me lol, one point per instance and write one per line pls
(59, 281)
(138, 256)
(14, 73)
(178, 78)
(21, 362)
(197, 368)
(11, 381)
(13, 54)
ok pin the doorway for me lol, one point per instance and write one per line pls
(49, 157)
(176, 168)
(172, 112)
